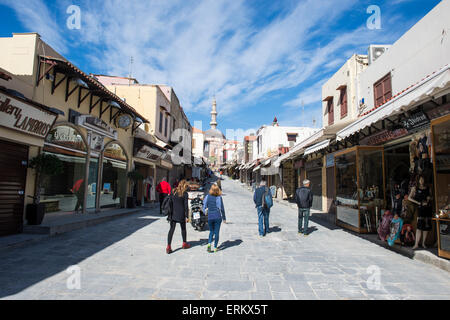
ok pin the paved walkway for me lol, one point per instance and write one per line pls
(125, 259)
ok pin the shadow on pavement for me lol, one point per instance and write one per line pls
(24, 267)
(275, 229)
(229, 244)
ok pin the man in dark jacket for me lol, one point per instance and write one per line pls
(263, 213)
(304, 199)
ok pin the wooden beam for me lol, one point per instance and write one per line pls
(103, 111)
(67, 88)
(71, 91)
(55, 86)
(111, 116)
(92, 106)
(81, 100)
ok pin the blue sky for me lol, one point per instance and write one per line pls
(260, 58)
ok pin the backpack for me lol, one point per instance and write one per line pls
(167, 206)
(267, 201)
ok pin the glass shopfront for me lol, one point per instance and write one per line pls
(441, 154)
(65, 192)
(360, 194)
(114, 178)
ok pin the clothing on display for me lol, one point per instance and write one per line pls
(395, 230)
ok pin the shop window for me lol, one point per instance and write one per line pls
(441, 146)
(360, 188)
(65, 192)
(114, 178)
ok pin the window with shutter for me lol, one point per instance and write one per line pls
(343, 101)
(330, 112)
(160, 122)
(383, 90)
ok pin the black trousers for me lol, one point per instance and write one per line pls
(162, 196)
(173, 225)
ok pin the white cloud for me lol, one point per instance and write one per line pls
(202, 48)
(36, 17)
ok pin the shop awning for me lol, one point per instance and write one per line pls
(317, 147)
(87, 82)
(428, 88)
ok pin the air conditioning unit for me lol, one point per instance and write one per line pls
(376, 51)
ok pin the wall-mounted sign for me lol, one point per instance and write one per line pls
(439, 112)
(148, 153)
(24, 117)
(415, 121)
(383, 136)
(299, 164)
(96, 141)
(330, 160)
(97, 125)
(67, 137)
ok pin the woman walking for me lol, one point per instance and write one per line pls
(179, 214)
(216, 213)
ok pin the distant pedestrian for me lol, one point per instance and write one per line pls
(259, 198)
(164, 190)
(304, 200)
(213, 202)
(179, 214)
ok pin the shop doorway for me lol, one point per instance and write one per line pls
(397, 161)
(114, 179)
(315, 176)
(13, 173)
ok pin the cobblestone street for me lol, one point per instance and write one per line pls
(126, 259)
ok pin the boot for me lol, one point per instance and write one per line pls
(169, 250)
(186, 245)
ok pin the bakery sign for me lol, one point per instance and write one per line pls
(24, 117)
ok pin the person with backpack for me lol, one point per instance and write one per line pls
(177, 206)
(164, 190)
(263, 201)
(213, 202)
(304, 200)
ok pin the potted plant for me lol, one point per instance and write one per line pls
(43, 164)
(135, 176)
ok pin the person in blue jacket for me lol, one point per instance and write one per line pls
(263, 213)
(216, 213)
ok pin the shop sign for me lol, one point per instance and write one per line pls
(383, 136)
(330, 160)
(438, 112)
(148, 153)
(299, 164)
(166, 164)
(314, 164)
(96, 142)
(97, 125)
(23, 117)
(417, 120)
(66, 137)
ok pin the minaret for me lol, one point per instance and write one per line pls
(214, 115)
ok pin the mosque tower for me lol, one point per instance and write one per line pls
(214, 115)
